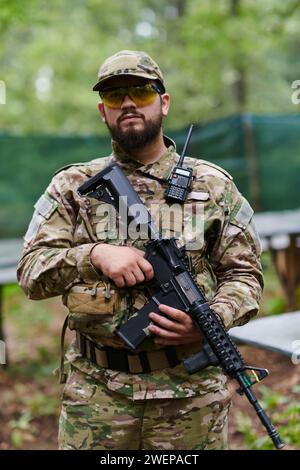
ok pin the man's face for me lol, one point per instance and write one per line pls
(130, 125)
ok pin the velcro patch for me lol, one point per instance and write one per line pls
(198, 195)
(243, 215)
(45, 206)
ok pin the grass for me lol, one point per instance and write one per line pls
(286, 420)
(30, 392)
(273, 300)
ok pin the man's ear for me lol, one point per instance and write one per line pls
(101, 111)
(165, 99)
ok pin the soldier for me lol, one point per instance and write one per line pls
(114, 398)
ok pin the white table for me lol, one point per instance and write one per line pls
(277, 333)
(10, 252)
(280, 233)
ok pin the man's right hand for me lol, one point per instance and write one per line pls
(125, 265)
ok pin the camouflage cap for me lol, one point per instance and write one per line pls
(136, 63)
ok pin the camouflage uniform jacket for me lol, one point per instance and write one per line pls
(65, 228)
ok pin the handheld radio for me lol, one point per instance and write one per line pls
(180, 178)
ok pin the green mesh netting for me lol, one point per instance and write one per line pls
(262, 153)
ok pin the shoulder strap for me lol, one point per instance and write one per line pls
(65, 167)
(216, 167)
(62, 377)
(103, 160)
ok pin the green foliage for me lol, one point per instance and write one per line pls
(284, 413)
(252, 441)
(271, 400)
(12, 12)
(22, 430)
(40, 404)
(30, 319)
(296, 389)
(31, 399)
(275, 305)
(273, 301)
(35, 369)
(208, 51)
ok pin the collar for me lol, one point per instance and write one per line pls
(158, 170)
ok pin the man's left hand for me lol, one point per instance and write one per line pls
(175, 329)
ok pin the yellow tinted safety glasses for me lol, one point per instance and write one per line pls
(141, 95)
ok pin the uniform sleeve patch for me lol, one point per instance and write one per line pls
(198, 195)
(243, 215)
(45, 206)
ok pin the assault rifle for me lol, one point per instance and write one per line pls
(176, 287)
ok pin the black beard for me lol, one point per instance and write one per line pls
(132, 139)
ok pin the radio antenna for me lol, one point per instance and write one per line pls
(185, 145)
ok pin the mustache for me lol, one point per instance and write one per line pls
(132, 113)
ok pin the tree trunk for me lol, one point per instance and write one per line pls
(239, 87)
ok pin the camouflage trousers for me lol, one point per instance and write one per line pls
(96, 418)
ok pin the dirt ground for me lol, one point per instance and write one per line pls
(41, 433)
(283, 376)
